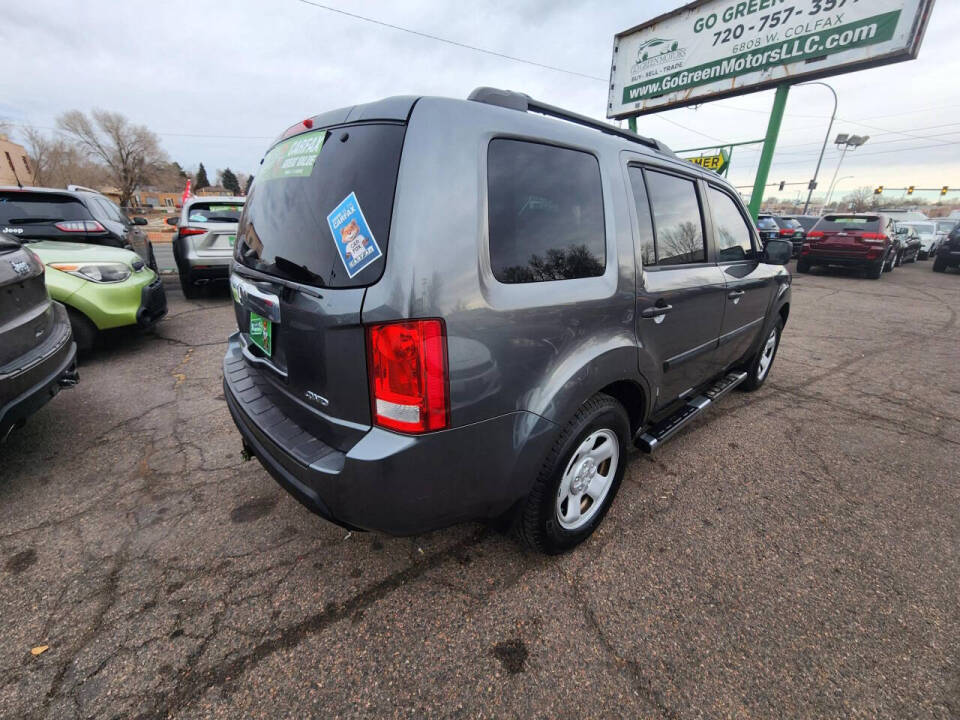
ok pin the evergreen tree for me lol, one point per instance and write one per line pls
(230, 182)
(202, 181)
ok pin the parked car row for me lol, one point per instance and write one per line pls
(71, 265)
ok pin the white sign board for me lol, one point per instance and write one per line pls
(717, 48)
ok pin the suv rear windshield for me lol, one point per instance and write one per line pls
(215, 212)
(767, 223)
(31, 208)
(321, 203)
(853, 223)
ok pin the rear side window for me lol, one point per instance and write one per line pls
(545, 212)
(215, 212)
(343, 178)
(730, 230)
(677, 221)
(852, 223)
(27, 208)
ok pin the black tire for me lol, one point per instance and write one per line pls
(892, 262)
(85, 333)
(537, 524)
(939, 265)
(875, 271)
(803, 265)
(922, 256)
(151, 258)
(754, 381)
(190, 291)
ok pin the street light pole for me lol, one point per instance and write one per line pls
(846, 142)
(833, 186)
(826, 139)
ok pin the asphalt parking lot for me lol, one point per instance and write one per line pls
(796, 553)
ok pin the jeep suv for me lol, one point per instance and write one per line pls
(456, 310)
(868, 242)
(77, 214)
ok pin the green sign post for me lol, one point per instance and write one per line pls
(769, 145)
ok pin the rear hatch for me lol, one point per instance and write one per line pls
(29, 215)
(847, 235)
(768, 228)
(313, 235)
(26, 316)
(211, 227)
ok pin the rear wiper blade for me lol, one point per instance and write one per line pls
(32, 220)
(291, 269)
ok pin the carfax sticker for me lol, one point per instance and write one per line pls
(352, 236)
(294, 157)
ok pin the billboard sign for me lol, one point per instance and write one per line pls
(712, 49)
(717, 163)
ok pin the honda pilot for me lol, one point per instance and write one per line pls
(454, 310)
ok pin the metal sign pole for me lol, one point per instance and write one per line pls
(769, 145)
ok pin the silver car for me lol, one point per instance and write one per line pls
(203, 246)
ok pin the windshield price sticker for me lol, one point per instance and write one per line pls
(352, 236)
(718, 48)
(294, 157)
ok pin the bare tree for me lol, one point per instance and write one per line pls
(58, 163)
(131, 153)
(860, 199)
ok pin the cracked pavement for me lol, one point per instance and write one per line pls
(794, 553)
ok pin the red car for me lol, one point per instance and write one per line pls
(866, 241)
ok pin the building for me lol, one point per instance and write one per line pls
(15, 167)
(156, 199)
(213, 191)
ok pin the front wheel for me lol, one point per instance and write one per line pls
(759, 367)
(579, 478)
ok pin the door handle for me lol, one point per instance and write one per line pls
(733, 294)
(656, 311)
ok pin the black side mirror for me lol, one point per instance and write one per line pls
(172, 221)
(139, 220)
(777, 252)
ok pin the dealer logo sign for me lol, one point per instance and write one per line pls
(656, 53)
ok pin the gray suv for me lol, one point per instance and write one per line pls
(457, 310)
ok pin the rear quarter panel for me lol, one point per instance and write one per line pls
(538, 347)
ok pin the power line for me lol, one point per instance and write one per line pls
(455, 43)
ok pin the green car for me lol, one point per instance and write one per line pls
(102, 287)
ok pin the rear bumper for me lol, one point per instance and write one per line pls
(37, 384)
(815, 257)
(951, 256)
(398, 484)
(153, 304)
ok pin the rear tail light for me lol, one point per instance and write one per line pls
(786, 232)
(408, 375)
(184, 231)
(815, 234)
(80, 226)
(871, 237)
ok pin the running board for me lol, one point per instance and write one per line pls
(654, 436)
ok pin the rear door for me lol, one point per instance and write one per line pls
(680, 292)
(749, 283)
(313, 235)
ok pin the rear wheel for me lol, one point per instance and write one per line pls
(875, 271)
(892, 262)
(939, 265)
(85, 333)
(803, 265)
(759, 367)
(578, 480)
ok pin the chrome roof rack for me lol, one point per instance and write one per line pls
(524, 103)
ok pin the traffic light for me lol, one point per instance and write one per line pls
(782, 184)
(910, 190)
(944, 190)
(878, 191)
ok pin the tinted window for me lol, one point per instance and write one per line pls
(110, 211)
(25, 208)
(215, 212)
(546, 213)
(676, 219)
(852, 223)
(645, 245)
(730, 230)
(767, 223)
(284, 228)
